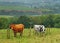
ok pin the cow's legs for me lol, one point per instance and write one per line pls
(21, 33)
(36, 32)
(14, 34)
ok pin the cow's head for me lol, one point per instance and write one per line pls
(12, 26)
(41, 28)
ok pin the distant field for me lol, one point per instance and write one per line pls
(15, 8)
(22, 8)
(52, 35)
(5, 16)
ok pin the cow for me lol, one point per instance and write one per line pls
(39, 28)
(17, 28)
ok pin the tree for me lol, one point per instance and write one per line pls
(57, 25)
(49, 21)
(24, 20)
(3, 23)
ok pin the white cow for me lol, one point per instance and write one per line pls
(39, 28)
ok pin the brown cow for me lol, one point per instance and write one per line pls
(17, 28)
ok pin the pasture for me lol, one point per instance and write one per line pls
(52, 35)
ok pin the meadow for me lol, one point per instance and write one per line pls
(51, 35)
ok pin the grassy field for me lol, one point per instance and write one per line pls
(51, 35)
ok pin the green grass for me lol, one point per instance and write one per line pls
(51, 35)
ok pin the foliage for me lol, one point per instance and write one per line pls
(49, 21)
(3, 23)
(24, 20)
(29, 21)
(57, 25)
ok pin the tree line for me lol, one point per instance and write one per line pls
(29, 21)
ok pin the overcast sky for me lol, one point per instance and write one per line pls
(11, 0)
(29, 1)
(25, 1)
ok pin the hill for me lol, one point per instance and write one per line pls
(21, 10)
(29, 7)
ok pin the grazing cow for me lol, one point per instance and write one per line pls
(39, 28)
(17, 28)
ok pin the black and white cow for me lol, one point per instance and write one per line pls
(39, 28)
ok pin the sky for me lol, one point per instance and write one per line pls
(17, 0)
(11, 0)
(29, 1)
(24, 1)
